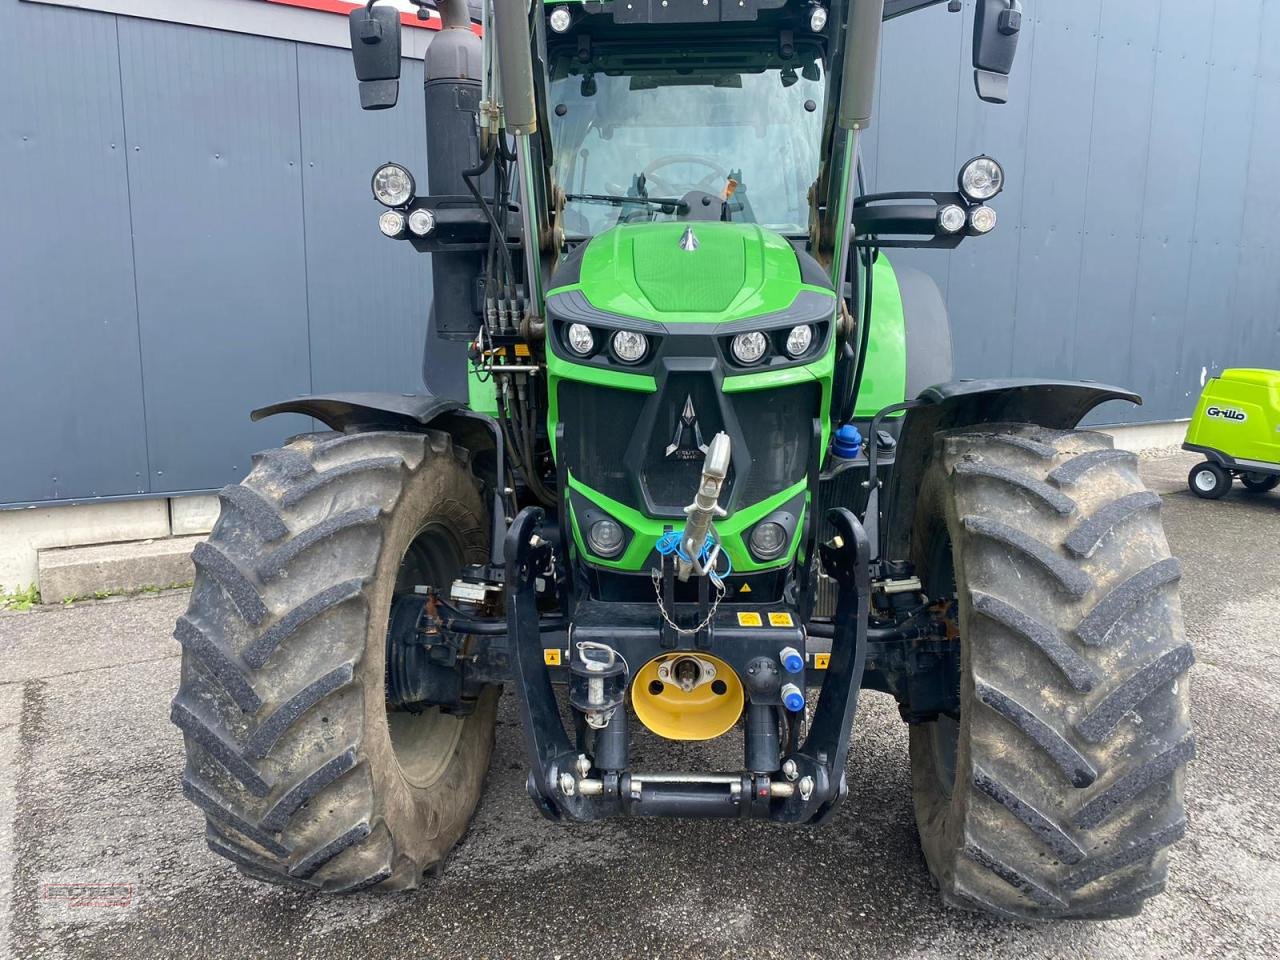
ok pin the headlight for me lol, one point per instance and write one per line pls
(799, 340)
(580, 339)
(421, 222)
(630, 346)
(982, 219)
(951, 218)
(981, 179)
(749, 347)
(393, 185)
(605, 538)
(560, 19)
(391, 223)
(768, 540)
(817, 17)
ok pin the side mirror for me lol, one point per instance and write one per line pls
(375, 48)
(996, 25)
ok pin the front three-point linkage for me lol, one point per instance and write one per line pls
(590, 782)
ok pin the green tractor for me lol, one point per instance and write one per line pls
(713, 477)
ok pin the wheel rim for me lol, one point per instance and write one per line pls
(424, 741)
(1205, 481)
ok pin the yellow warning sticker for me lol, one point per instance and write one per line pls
(746, 588)
(781, 619)
(522, 350)
(750, 619)
(821, 661)
(551, 657)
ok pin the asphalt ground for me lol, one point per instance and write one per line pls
(89, 794)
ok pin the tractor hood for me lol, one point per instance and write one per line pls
(695, 272)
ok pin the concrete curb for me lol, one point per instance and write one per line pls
(74, 572)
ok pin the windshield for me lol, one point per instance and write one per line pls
(624, 131)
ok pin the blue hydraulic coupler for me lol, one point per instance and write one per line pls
(846, 443)
(792, 697)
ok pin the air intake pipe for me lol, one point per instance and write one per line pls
(515, 60)
(861, 55)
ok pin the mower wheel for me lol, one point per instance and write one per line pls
(305, 776)
(1209, 481)
(1055, 788)
(1260, 482)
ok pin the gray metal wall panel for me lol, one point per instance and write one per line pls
(983, 283)
(1179, 102)
(70, 380)
(1258, 276)
(1225, 156)
(215, 171)
(1055, 186)
(1119, 145)
(1135, 240)
(368, 296)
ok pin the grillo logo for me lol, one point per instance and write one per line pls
(1221, 413)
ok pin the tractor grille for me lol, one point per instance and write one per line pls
(779, 431)
(620, 443)
(598, 427)
(670, 479)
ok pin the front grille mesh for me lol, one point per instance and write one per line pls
(598, 427)
(771, 431)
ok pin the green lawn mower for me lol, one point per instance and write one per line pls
(1237, 426)
(693, 460)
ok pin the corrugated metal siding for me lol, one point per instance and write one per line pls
(187, 231)
(1136, 242)
(186, 234)
(68, 317)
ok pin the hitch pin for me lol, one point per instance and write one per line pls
(704, 509)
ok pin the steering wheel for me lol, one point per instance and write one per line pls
(713, 182)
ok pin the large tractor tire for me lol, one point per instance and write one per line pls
(1058, 787)
(305, 776)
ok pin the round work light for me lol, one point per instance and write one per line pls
(421, 222)
(393, 185)
(605, 538)
(630, 346)
(580, 339)
(391, 223)
(748, 348)
(982, 219)
(981, 179)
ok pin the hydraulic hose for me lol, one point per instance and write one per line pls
(468, 178)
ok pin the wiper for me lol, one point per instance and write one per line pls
(677, 206)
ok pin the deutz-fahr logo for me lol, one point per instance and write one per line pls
(687, 443)
(1226, 413)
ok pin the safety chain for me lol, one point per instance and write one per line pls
(687, 631)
